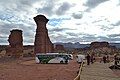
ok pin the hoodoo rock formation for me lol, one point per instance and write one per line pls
(15, 40)
(42, 42)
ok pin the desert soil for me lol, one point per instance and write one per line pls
(28, 70)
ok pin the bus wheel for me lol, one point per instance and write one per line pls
(61, 61)
(66, 62)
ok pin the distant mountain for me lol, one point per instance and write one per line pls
(78, 45)
(115, 44)
(66, 45)
(73, 45)
(3, 47)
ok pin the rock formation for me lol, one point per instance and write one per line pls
(42, 42)
(99, 44)
(101, 48)
(98, 49)
(15, 40)
(59, 48)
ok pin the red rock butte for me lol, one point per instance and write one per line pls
(42, 42)
(99, 44)
(15, 40)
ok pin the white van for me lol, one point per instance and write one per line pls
(80, 58)
(70, 56)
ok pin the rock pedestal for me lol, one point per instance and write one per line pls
(15, 48)
(42, 41)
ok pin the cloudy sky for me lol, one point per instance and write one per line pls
(81, 21)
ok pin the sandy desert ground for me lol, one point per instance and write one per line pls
(27, 69)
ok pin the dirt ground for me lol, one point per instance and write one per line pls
(28, 70)
(116, 72)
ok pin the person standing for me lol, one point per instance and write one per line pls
(92, 58)
(88, 59)
(108, 58)
(104, 59)
(116, 59)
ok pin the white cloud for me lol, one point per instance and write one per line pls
(70, 18)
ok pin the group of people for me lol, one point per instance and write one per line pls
(116, 59)
(105, 59)
(90, 59)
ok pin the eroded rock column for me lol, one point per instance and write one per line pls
(15, 48)
(42, 41)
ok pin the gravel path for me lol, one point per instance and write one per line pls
(98, 71)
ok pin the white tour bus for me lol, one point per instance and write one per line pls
(70, 56)
(52, 58)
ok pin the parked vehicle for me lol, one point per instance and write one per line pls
(70, 56)
(80, 58)
(52, 58)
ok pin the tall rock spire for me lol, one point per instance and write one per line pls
(42, 41)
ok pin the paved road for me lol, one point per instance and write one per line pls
(98, 71)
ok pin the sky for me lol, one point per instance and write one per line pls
(82, 21)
